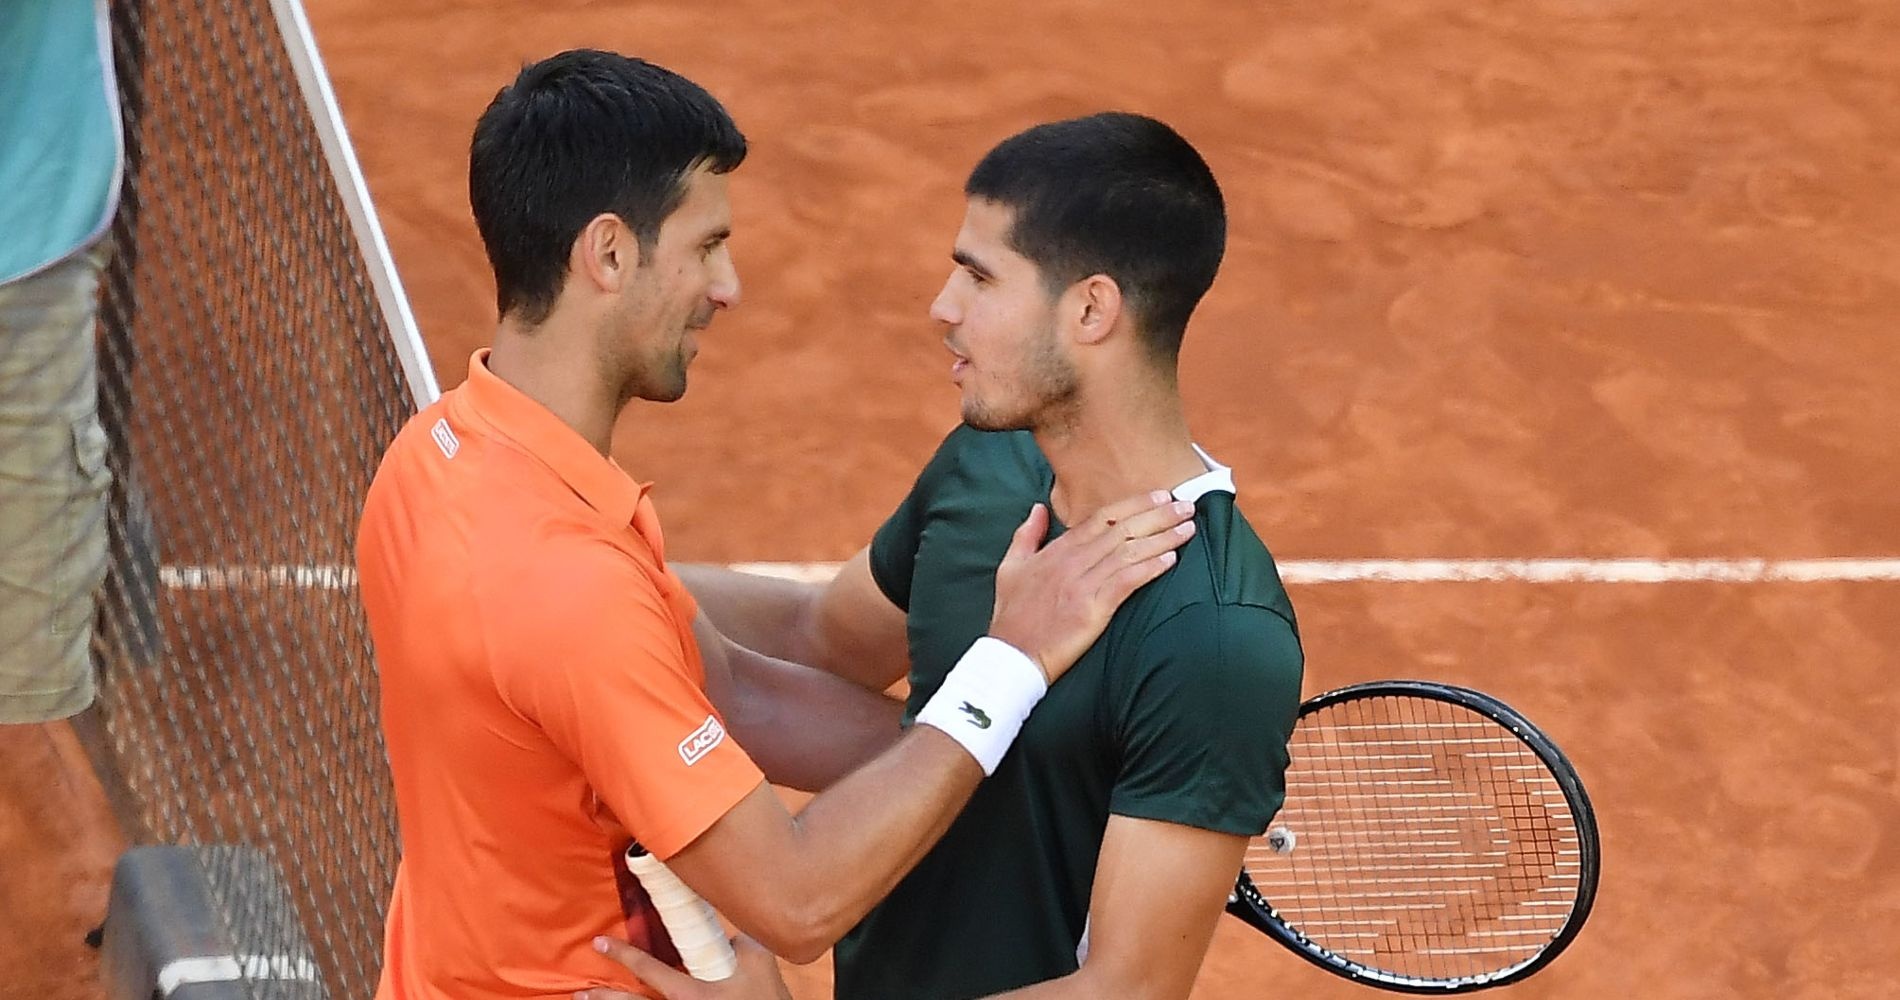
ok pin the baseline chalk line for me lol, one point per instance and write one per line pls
(338, 576)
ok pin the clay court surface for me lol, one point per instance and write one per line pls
(1506, 279)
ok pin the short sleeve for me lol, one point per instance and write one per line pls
(1204, 717)
(597, 660)
(893, 552)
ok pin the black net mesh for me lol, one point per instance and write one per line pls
(248, 384)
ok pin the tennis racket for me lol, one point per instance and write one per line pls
(690, 921)
(1432, 841)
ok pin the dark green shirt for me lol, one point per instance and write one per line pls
(1180, 712)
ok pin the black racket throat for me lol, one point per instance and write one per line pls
(1433, 841)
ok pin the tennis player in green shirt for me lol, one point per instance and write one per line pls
(1097, 858)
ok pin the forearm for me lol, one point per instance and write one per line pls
(797, 883)
(1077, 985)
(809, 878)
(806, 729)
(1131, 980)
(768, 614)
(873, 827)
(1159, 890)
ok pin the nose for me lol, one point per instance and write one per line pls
(944, 309)
(724, 291)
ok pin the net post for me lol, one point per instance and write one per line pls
(169, 929)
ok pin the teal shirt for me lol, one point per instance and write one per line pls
(1179, 713)
(59, 131)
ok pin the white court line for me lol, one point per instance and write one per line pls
(320, 576)
(1591, 570)
(336, 576)
(1313, 571)
(197, 969)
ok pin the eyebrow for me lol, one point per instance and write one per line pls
(965, 258)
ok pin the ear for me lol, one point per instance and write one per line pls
(605, 253)
(1097, 308)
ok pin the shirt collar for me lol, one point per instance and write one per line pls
(1217, 477)
(597, 479)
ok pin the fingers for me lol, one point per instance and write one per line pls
(757, 978)
(1053, 602)
(1126, 562)
(1133, 539)
(1132, 576)
(756, 964)
(1156, 547)
(1028, 535)
(672, 983)
(1152, 521)
(1112, 515)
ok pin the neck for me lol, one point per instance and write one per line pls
(1110, 449)
(546, 365)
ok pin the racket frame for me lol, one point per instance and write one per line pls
(1247, 903)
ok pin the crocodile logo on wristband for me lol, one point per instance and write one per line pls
(978, 718)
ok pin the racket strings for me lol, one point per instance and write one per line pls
(1430, 841)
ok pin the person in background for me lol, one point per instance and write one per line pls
(61, 162)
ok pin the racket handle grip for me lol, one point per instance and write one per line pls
(689, 920)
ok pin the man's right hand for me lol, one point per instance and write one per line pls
(1053, 603)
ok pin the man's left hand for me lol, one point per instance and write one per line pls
(757, 979)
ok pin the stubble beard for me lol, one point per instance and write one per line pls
(658, 376)
(1049, 388)
(663, 381)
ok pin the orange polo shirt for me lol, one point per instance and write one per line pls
(543, 699)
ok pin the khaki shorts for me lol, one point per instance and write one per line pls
(53, 483)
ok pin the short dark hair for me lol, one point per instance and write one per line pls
(1117, 194)
(575, 135)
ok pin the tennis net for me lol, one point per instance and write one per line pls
(249, 379)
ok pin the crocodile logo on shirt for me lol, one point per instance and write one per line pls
(978, 718)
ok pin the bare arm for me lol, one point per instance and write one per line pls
(766, 613)
(803, 727)
(844, 625)
(798, 883)
(1159, 890)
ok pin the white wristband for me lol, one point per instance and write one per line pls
(985, 698)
